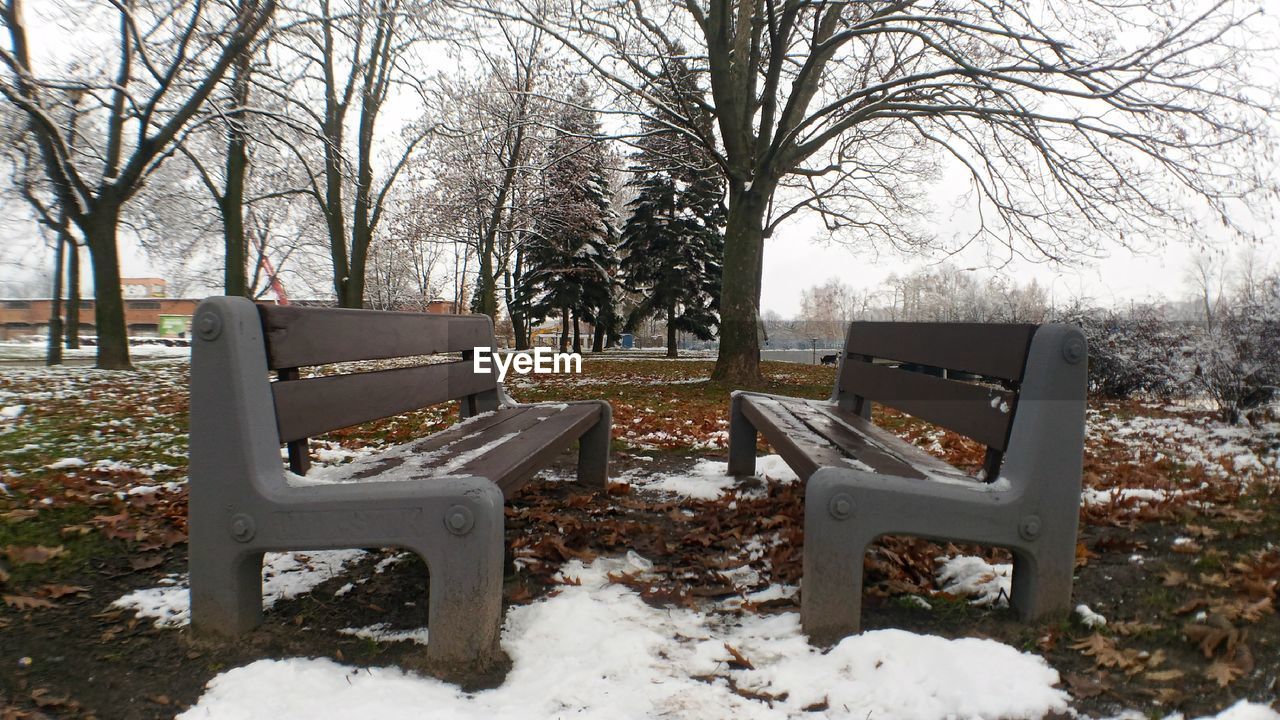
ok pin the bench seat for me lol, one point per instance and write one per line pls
(813, 434)
(508, 446)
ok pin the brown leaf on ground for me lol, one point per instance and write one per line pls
(1212, 634)
(33, 555)
(24, 602)
(59, 591)
(146, 561)
(1173, 578)
(4, 575)
(17, 516)
(1163, 675)
(1223, 673)
(739, 662)
(1086, 686)
(1190, 547)
(1084, 555)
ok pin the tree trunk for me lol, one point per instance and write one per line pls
(54, 353)
(672, 350)
(234, 275)
(739, 360)
(108, 306)
(73, 294)
(577, 334)
(520, 323)
(564, 329)
(597, 342)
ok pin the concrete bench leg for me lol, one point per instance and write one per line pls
(593, 450)
(742, 440)
(465, 596)
(835, 545)
(226, 588)
(1042, 580)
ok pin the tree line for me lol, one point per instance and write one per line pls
(609, 170)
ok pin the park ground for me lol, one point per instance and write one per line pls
(673, 593)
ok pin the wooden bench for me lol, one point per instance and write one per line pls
(1017, 389)
(440, 496)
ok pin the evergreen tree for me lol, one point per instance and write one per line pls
(672, 243)
(570, 261)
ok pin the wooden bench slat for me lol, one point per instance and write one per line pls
(978, 412)
(883, 441)
(803, 449)
(516, 443)
(301, 337)
(534, 448)
(309, 407)
(994, 350)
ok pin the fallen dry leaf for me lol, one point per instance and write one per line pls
(1224, 673)
(24, 602)
(59, 591)
(738, 662)
(33, 555)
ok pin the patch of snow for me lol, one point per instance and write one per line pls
(1245, 710)
(599, 651)
(972, 576)
(64, 463)
(381, 632)
(9, 412)
(284, 576)
(1089, 618)
(709, 479)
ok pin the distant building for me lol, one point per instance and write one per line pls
(149, 315)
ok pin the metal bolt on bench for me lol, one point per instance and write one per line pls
(1018, 389)
(448, 509)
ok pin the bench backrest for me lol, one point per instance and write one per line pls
(298, 337)
(899, 364)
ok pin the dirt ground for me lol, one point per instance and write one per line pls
(1187, 585)
(83, 659)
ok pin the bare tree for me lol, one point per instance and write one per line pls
(1074, 121)
(170, 55)
(355, 54)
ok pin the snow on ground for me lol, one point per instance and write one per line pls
(596, 650)
(35, 352)
(708, 479)
(1222, 450)
(973, 576)
(284, 576)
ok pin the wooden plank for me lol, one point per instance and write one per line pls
(306, 408)
(886, 442)
(852, 443)
(534, 448)
(979, 412)
(302, 336)
(804, 450)
(997, 350)
(531, 436)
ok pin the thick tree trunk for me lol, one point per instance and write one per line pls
(577, 335)
(108, 306)
(520, 323)
(73, 294)
(739, 359)
(597, 342)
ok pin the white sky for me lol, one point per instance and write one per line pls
(800, 256)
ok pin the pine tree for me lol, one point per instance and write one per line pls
(571, 259)
(673, 242)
